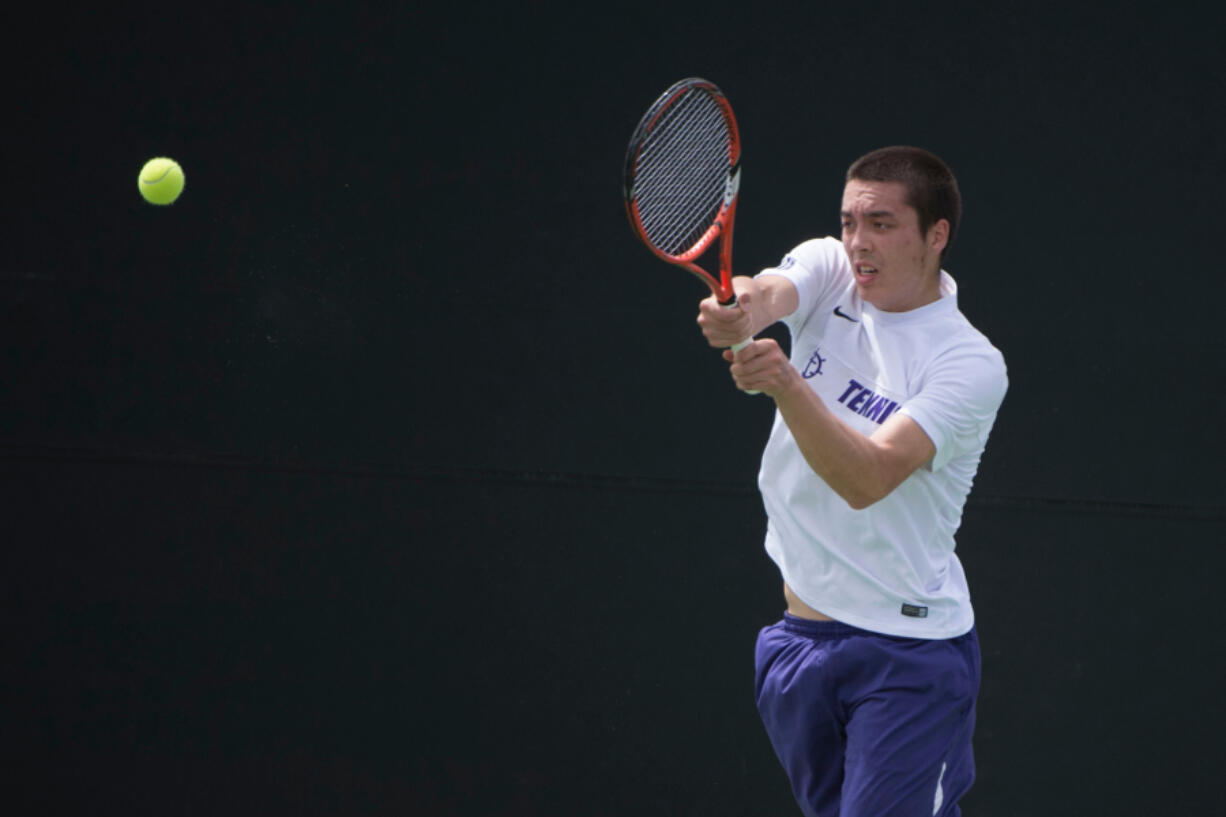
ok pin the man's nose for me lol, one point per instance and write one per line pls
(858, 242)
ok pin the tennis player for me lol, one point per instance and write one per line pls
(867, 686)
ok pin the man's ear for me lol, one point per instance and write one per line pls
(938, 235)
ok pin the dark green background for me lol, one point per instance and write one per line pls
(386, 473)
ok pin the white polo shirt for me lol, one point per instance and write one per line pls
(891, 567)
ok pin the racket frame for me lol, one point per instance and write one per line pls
(722, 225)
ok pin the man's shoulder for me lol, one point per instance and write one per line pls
(965, 354)
(970, 339)
(810, 256)
(826, 248)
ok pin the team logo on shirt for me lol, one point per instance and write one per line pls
(814, 366)
(787, 263)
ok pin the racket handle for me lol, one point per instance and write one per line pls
(736, 347)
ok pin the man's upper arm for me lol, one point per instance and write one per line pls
(803, 277)
(777, 298)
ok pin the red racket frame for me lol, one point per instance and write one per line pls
(723, 224)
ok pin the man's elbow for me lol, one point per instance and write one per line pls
(868, 492)
(858, 500)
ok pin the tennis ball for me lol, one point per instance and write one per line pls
(161, 181)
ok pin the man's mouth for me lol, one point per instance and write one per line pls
(864, 269)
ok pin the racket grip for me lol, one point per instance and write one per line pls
(736, 347)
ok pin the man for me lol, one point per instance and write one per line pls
(867, 686)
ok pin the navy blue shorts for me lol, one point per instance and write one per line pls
(869, 725)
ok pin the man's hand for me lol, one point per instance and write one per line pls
(726, 326)
(760, 302)
(762, 366)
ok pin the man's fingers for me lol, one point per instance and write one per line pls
(742, 352)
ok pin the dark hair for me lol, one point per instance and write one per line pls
(931, 187)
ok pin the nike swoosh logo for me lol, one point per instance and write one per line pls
(844, 315)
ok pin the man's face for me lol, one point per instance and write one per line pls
(896, 267)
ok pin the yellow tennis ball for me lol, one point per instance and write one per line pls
(161, 181)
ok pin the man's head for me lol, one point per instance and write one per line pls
(930, 185)
(900, 210)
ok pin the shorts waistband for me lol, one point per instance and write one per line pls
(821, 629)
(836, 629)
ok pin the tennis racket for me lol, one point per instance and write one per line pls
(683, 174)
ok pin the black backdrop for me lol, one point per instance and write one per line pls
(385, 472)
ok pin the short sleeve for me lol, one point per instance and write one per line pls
(815, 268)
(957, 403)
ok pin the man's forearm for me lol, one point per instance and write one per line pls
(861, 470)
(772, 297)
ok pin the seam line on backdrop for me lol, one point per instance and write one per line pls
(419, 473)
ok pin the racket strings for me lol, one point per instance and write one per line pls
(682, 172)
